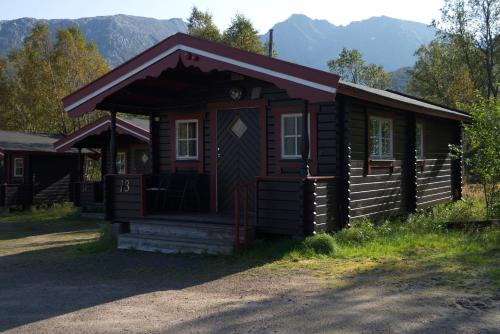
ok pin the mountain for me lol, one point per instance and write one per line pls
(382, 40)
(118, 37)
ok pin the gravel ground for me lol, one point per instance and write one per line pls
(54, 291)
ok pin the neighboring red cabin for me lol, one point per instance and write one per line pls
(32, 172)
(132, 155)
(228, 147)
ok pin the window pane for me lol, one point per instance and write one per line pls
(386, 129)
(386, 147)
(418, 143)
(289, 126)
(182, 147)
(192, 148)
(192, 129)
(182, 130)
(374, 129)
(299, 125)
(290, 146)
(375, 146)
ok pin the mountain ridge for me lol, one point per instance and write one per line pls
(382, 40)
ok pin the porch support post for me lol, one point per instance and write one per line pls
(153, 142)
(112, 145)
(80, 165)
(304, 147)
(79, 179)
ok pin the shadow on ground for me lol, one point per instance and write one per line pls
(180, 293)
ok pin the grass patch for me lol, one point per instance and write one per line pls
(418, 248)
(106, 242)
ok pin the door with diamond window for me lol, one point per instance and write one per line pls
(237, 153)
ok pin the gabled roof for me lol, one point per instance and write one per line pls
(299, 81)
(135, 127)
(28, 142)
(400, 101)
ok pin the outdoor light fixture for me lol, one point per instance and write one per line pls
(235, 93)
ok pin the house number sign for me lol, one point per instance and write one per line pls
(125, 186)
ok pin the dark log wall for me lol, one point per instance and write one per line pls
(434, 174)
(378, 191)
(53, 178)
(327, 138)
(17, 195)
(280, 207)
(326, 205)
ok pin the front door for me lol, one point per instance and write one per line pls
(238, 153)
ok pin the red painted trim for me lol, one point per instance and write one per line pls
(195, 163)
(97, 127)
(277, 112)
(213, 108)
(228, 58)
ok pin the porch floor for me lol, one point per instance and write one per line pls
(197, 217)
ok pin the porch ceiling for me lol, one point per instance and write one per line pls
(146, 82)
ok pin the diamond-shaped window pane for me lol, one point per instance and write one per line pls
(239, 128)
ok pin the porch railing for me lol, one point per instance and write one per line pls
(237, 214)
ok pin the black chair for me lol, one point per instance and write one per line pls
(190, 187)
(159, 188)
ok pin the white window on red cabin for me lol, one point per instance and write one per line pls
(380, 134)
(121, 162)
(18, 167)
(186, 132)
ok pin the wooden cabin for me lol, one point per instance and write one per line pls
(132, 156)
(229, 157)
(32, 172)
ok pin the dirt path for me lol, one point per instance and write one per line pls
(52, 290)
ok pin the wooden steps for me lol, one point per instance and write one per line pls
(180, 235)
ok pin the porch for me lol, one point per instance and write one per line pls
(166, 216)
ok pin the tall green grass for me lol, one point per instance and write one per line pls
(421, 236)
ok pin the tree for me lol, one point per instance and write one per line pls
(474, 25)
(200, 24)
(482, 137)
(351, 66)
(242, 35)
(41, 73)
(439, 75)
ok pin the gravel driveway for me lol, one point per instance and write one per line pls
(54, 291)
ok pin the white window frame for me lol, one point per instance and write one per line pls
(419, 127)
(16, 160)
(121, 165)
(298, 155)
(177, 139)
(379, 155)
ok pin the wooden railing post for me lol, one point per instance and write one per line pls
(237, 218)
(245, 216)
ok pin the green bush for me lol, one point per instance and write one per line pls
(322, 244)
(358, 233)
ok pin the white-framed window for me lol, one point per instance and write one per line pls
(419, 141)
(18, 167)
(121, 162)
(186, 133)
(291, 135)
(380, 135)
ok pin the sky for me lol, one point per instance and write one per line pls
(263, 13)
